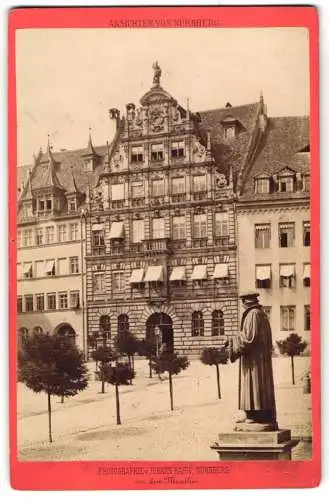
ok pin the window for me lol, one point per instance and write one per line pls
(19, 239)
(157, 152)
(197, 324)
(28, 303)
(98, 282)
(98, 238)
(123, 324)
(51, 301)
(74, 231)
(288, 318)
(287, 275)
(118, 192)
(178, 185)
(41, 205)
(74, 265)
(307, 275)
(75, 299)
(39, 236)
(27, 238)
(158, 187)
(50, 234)
(158, 228)
(199, 183)
(306, 234)
(50, 267)
(179, 228)
(221, 224)
(19, 304)
(27, 270)
(307, 318)
(62, 266)
(217, 323)
(137, 154)
(62, 300)
(48, 204)
(306, 182)
(286, 184)
(39, 268)
(262, 185)
(178, 149)
(40, 302)
(229, 132)
(37, 330)
(62, 232)
(200, 226)
(267, 311)
(118, 282)
(72, 206)
(262, 235)
(286, 234)
(23, 333)
(137, 190)
(105, 326)
(263, 276)
(137, 231)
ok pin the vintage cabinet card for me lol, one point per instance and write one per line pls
(164, 247)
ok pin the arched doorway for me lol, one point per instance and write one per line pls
(161, 323)
(65, 330)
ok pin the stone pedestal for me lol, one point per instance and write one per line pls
(262, 445)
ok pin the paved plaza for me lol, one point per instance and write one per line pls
(84, 426)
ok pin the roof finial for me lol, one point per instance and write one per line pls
(157, 74)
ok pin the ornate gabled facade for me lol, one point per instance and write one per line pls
(155, 232)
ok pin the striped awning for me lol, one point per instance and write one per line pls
(27, 268)
(287, 270)
(116, 231)
(154, 273)
(263, 273)
(307, 271)
(199, 272)
(220, 271)
(50, 266)
(137, 276)
(177, 274)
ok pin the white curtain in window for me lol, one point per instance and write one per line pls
(138, 231)
(62, 266)
(158, 228)
(117, 192)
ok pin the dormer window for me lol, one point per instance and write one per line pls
(306, 182)
(178, 149)
(157, 152)
(41, 205)
(137, 154)
(229, 132)
(286, 184)
(48, 204)
(73, 206)
(262, 185)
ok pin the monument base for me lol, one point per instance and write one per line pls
(262, 445)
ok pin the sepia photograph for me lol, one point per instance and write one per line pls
(163, 244)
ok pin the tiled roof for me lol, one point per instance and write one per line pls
(233, 152)
(285, 137)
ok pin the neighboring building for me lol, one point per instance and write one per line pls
(50, 251)
(165, 221)
(273, 226)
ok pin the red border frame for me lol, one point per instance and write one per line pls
(84, 475)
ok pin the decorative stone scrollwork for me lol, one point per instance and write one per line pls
(120, 159)
(220, 180)
(199, 152)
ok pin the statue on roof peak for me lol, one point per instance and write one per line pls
(157, 74)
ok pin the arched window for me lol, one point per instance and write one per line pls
(23, 333)
(197, 324)
(37, 330)
(217, 324)
(123, 324)
(105, 326)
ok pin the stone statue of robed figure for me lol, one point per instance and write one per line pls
(253, 348)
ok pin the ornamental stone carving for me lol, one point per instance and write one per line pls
(120, 159)
(199, 152)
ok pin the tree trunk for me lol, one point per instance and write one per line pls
(150, 367)
(218, 381)
(117, 403)
(62, 398)
(49, 417)
(171, 392)
(133, 362)
(292, 370)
